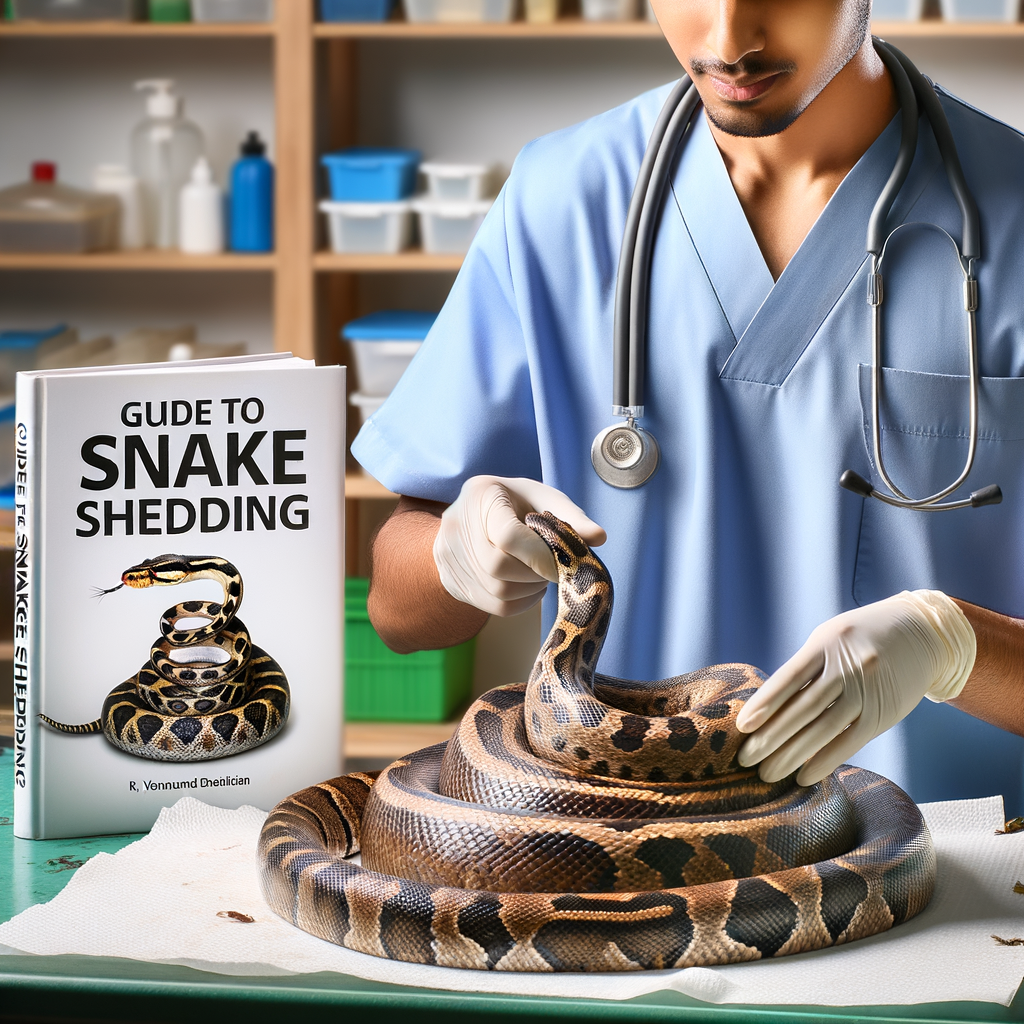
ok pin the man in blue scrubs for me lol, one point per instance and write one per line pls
(742, 547)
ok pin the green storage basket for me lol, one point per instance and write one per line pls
(381, 686)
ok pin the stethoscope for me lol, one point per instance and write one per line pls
(625, 454)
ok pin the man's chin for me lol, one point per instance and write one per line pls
(751, 124)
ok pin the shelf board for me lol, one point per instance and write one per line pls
(393, 739)
(7, 722)
(359, 485)
(413, 261)
(106, 29)
(577, 28)
(136, 259)
(933, 28)
(563, 28)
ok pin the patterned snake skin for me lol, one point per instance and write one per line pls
(583, 823)
(193, 710)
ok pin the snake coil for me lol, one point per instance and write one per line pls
(186, 703)
(583, 823)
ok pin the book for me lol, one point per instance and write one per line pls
(179, 539)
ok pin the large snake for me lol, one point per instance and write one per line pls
(193, 707)
(584, 823)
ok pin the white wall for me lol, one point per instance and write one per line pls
(70, 100)
(484, 100)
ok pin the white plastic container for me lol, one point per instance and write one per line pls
(366, 404)
(232, 10)
(368, 227)
(455, 181)
(459, 10)
(115, 180)
(383, 344)
(897, 10)
(201, 213)
(449, 226)
(609, 10)
(379, 364)
(979, 10)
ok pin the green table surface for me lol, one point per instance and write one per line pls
(104, 988)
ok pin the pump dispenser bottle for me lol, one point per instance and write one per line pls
(165, 148)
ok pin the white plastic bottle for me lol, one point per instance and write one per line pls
(201, 212)
(113, 179)
(165, 148)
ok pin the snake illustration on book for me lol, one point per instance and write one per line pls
(579, 822)
(176, 709)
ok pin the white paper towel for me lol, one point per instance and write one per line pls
(159, 898)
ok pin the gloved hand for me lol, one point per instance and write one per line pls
(487, 557)
(864, 669)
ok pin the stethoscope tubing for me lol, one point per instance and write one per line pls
(628, 368)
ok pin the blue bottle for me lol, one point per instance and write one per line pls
(252, 199)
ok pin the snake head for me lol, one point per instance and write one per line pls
(568, 547)
(162, 571)
(579, 568)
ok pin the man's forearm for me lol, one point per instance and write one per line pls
(995, 690)
(408, 607)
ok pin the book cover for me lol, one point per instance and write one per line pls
(178, 589)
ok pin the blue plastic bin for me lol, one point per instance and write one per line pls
(356, 10)
(365, 174)
(390, 325)
(384, 344)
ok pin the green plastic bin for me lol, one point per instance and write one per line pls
(381, 686)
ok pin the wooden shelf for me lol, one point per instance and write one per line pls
(6, 650)
(936, 29)
(564, 28)
(393, 739)
(7, 723)
(414, 261)
(359, 485)
(106, 29)
(576, 28)
(140, 259)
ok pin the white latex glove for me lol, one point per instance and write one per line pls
(487, 557)
(858, 675)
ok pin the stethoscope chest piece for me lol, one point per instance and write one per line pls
(625, 455)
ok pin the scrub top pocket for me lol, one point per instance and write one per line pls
(976, 554)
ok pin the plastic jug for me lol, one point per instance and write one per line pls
(165, 148)
(45, 216)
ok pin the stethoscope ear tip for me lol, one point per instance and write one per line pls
(856, 483)
(991, 495)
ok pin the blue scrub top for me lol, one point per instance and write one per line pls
(759, 395)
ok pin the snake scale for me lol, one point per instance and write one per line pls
(206, 691)
(583, 823)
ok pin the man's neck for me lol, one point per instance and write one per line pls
(784, 181)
